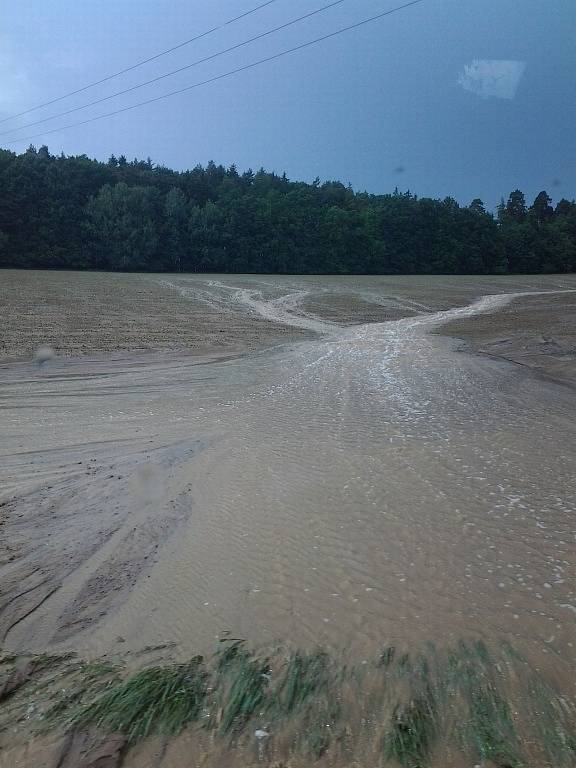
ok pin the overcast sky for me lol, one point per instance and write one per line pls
(449, 97)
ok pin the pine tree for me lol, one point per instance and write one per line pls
(541, 210)
(516, 206)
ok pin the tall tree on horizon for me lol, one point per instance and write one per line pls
(541, 210)
(516, 206)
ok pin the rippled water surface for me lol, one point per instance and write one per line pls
(367, 484)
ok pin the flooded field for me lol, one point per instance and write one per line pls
(295, 461)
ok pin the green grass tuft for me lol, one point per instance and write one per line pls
(554, 722)
(486, 727)
(412, 733)
(491, 728)
(305, 675)
(156, 700)
(309, 693)
(242, 683)
(386, 656)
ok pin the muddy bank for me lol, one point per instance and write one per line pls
(536, 331)
(92, 525)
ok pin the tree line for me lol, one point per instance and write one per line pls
(77, 213)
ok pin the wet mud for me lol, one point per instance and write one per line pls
(337, 470)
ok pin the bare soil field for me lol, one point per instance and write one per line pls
(536, 331)
(93, 314)
(277, 465)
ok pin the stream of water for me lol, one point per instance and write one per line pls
(369, 485)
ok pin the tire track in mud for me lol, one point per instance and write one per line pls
(87, 545)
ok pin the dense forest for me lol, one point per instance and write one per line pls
(78, 213)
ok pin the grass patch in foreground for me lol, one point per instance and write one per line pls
(305, 676)
(157, 700)
(403, 710)
(307, 695)
(412, 733)
(242, 680)
(413, 727)
(485, 724)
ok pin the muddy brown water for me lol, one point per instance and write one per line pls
(366, 483)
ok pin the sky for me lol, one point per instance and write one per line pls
(467, 98)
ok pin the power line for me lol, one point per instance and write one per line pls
(141, 63)
(180, 69)
(225, 74)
